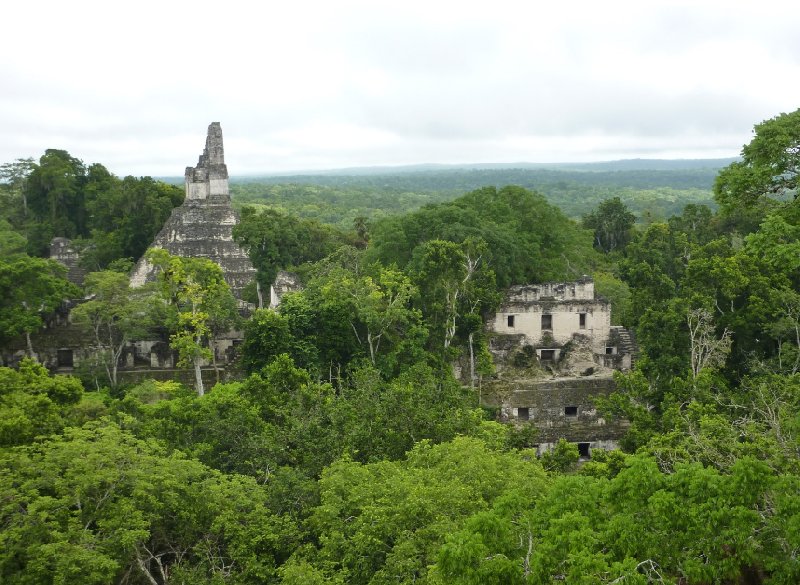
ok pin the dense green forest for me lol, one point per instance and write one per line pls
(651, 194)
(346, 451)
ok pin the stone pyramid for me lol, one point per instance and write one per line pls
(202, 227)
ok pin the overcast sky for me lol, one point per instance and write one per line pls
(315, 85)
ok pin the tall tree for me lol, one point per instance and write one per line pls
(30, 289)
(769, 169)
(380, 305)
(454, 281)
(612, 223)
(15, 176)
(116, 314)
(54, 191)
(200, 302)
(275, 241)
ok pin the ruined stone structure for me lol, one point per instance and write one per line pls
(202, 227)
(62, 250)
(564, 408)
(552, 317)
(285, 282)
(555, 351)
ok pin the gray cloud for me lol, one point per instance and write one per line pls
(322, 85)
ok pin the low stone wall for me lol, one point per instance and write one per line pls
(559, 408)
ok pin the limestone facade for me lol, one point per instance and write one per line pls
(285, 282)
(555, 351)
(550, 316)
(62, 250)
(202, 227)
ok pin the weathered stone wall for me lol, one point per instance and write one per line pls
(202, 227)
(62, 250)
(548, 315)
(210, 177)
(581, 289)
(565, 321)
(559, 408)
(285, 282)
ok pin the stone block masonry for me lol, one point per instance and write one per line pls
(202, 227)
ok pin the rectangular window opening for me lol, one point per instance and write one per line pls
(548, 355)
(611, 350)
(582, 320)
(583, 450)
(570, 411)
(523, 414)
(547, 322)
(511, 320)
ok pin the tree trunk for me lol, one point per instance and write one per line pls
(30, 345)
(371, 348)
(198, 377)
(214, 359)
(116, 353)
(260, 296)
(143, 568)
(471, 362)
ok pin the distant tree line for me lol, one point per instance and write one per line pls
(110, 218)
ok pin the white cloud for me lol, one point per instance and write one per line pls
(328, 84)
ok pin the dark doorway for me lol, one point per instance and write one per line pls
(570, 411)
(523, 413)
(65, 359)
(583, 450)
(548, 355)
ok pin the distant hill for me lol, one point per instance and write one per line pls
(651, 164)
(463, 179)
(652, 188)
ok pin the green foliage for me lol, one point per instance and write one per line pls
(346, 311)
(199, 305)
(612, 224)
(379, 305)
(32, 403)
(639, 526)
(98, 504)
(266, 335)
(116, 315)
(561, 458)
(769, 169)
(12, 243)
(617, 291)
(341, 199)
(30, 289)
(60, 196)
(386, 521)
(455, 283)
(527, 240)
(275, 241)
(387, 473)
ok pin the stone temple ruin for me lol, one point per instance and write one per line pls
(555, 351)
(553, 344)
(63, 251)
(550, 318)
(202, 227)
